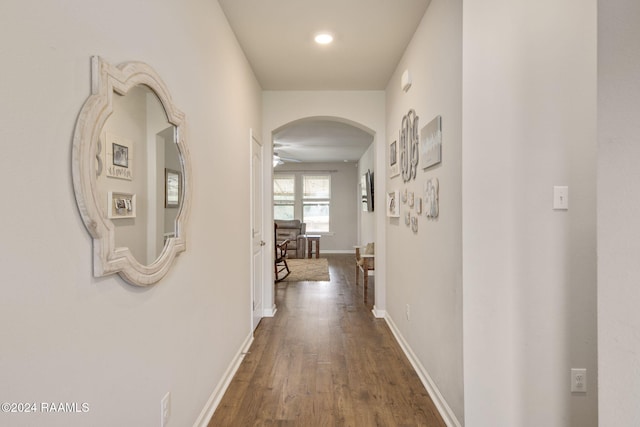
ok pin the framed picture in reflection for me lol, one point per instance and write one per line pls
(172, 188)
(118, 152)
(121, 205)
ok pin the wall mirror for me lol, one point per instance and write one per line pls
(131, 172)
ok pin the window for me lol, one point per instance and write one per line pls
(298, 195)
(284, 197)
(316, 196)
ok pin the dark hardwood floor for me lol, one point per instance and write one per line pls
(324, 360)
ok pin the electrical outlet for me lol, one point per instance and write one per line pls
(408, 312)
(578, 380)
(165, 409)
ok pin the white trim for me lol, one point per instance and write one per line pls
(270, 312)
(337, 251)
(263, 255)
(221, 388)
(378, 314)
(441, 404)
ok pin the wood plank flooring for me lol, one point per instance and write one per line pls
(324, 360)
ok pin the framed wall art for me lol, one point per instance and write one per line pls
(431, 143)
(121, 205)
(119, 157)
(393, 204)
(394, 165)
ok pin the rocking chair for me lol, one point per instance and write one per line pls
(280, 265)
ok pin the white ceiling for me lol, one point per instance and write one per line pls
(321, 141)
(370, 38)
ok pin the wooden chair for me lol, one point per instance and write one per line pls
(280, 263)
(365, 262)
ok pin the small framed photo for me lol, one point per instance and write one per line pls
(120, 155)
(393, 204)
(121, 205)
(172, 188)
(394, 165)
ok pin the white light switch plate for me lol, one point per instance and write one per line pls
(560, 198)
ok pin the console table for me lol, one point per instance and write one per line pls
(310, 239)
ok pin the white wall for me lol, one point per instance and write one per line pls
(529, 79)
(359, 108)
(424, 269)
(68, 337)
(343, 203)
(618, 212)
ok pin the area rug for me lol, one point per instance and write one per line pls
(308, 270)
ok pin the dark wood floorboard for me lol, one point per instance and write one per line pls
(324, 360)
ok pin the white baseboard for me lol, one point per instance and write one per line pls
(378, 314)
(337, 251)
(445, 411)
(269, 312)
(218, 392)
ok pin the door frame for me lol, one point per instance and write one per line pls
(254, 320)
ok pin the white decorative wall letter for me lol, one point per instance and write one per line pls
(409, 146)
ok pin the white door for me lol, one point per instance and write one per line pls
(257, 233)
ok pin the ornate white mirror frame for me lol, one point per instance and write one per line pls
(86, 162)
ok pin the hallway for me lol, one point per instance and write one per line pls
(324, 360)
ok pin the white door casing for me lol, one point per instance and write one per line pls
(257, 232)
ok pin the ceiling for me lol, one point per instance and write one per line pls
(321, 141)
(370, 37)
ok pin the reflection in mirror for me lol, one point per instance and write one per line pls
(139, 145)
(131, 172)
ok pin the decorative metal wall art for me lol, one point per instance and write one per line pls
(414, 224)
(409, 146)
(431, 188)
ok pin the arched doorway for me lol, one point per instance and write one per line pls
(363, 110)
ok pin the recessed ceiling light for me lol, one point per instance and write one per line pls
(323, 38)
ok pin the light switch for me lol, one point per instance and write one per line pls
(561, 198)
